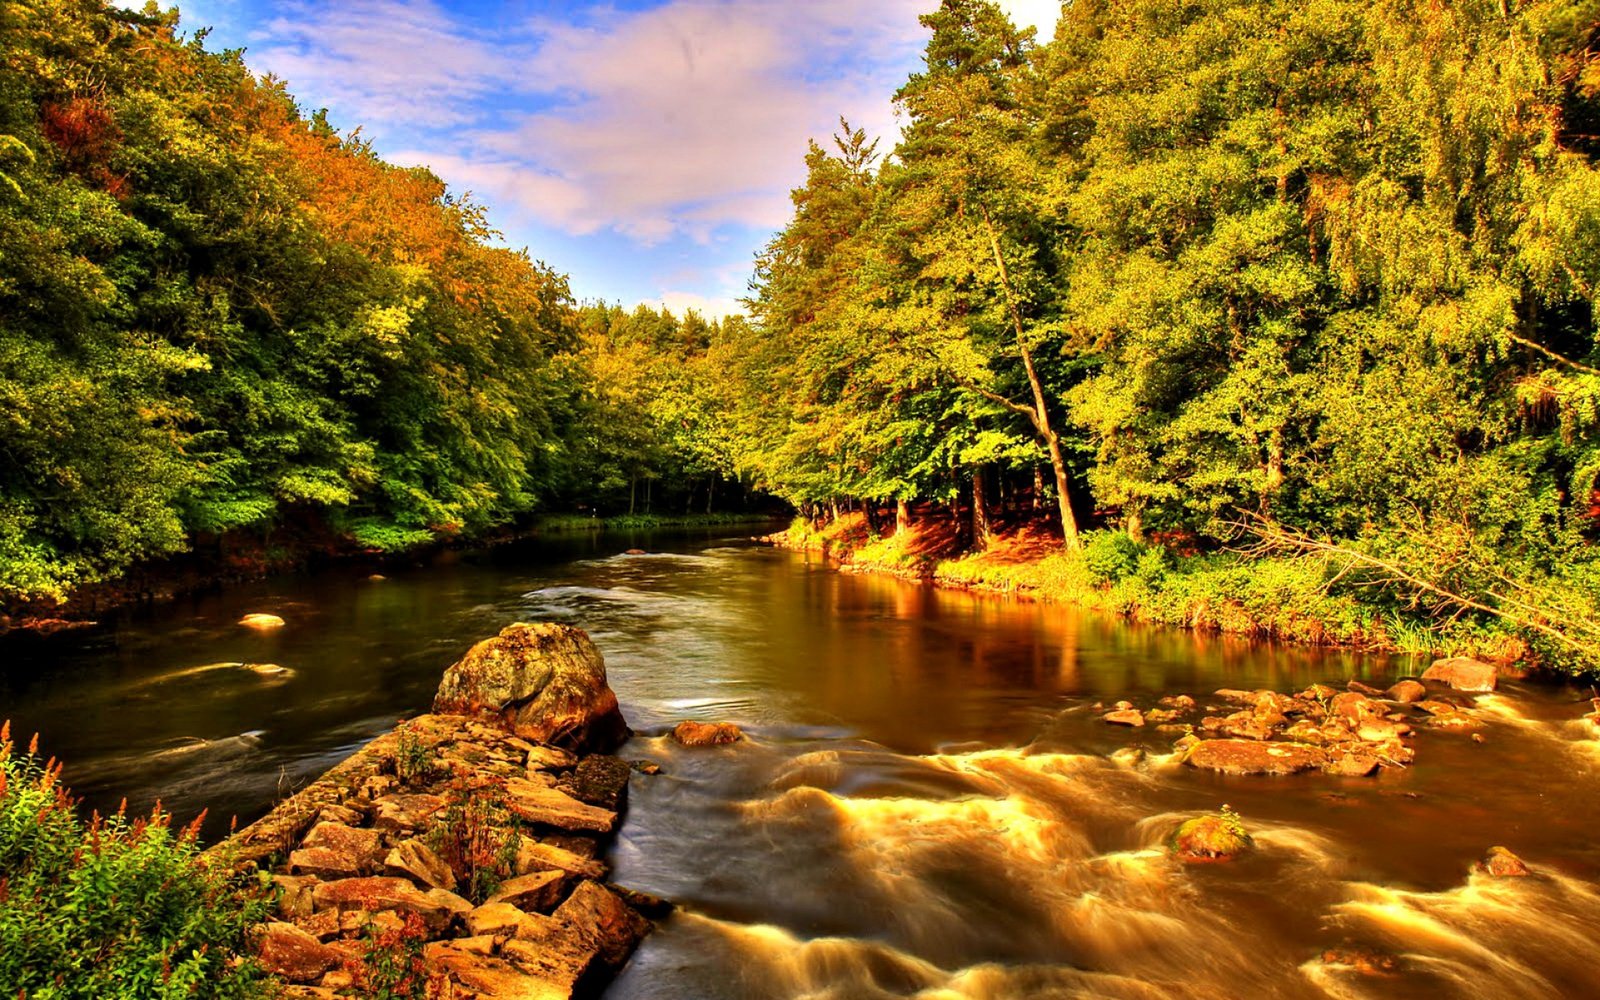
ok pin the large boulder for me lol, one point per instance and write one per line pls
(544, 682)
(1463, 674)
(1211, 838)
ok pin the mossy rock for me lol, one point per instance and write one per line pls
(1211, 838)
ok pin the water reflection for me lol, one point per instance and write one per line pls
(926, 806)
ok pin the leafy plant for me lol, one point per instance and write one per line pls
(113, 908)
(477, 836)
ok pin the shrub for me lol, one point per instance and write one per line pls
(1111, 555)
(112, 909)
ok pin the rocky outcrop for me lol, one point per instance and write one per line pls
(1463, 674)
(706, 734)
(463, 834)
(1501, 863)
(543, 682)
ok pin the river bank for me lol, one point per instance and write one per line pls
(245, 557)
(1277, 599)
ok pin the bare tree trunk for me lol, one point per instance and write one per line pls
(835, 504)
(633, 492)
(980, 512)
(1041, 412)
(649, 485)
(711, 492)
(1038, 488)
(902, 516)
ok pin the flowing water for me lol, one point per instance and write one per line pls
(927, 805)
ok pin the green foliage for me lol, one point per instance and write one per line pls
(478, 837)
(113, 908)
(393, 966)
(1109, 556)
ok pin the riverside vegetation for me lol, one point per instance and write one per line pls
(1271, 304)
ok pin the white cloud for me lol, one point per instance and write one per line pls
(710, 307)
(1041, 14)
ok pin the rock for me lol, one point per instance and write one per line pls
(286, 950)
(335, 850)
(1381, 730)
(415, 860)
(1351, 765)
(535, 892)
(1318, 692)
(324, 925)
(437, 907)
(1407, 692)
(1501, 863)
(544, 682)
(1353, 707)
(496, 919)
(361, 923)
(542, 804)
(335, 813)
(1463, 674)
(603, 922)
(1251, 757)
(1129, 756)
(645, 767)
(706, 734)
(1124, 717)
(261, 621)
(599, 780)
(651, 906)
(1236, 696)
(405, 813)
(489, 977)
(533, 856)
(1433, 706)
(542, 758)
(1211, 838)
(1180, 702)
(1366, 689)
(295, 895)
(1368, 963)
(636, 552)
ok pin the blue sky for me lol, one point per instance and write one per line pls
(645, 147)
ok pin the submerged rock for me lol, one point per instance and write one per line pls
(1463, 674)
(1211, 838)
(544, 682)
(1501, 863)
(1124, 717)
(259, 620)
(1253, 757)
(706, 734)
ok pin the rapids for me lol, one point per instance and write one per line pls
(927, 804)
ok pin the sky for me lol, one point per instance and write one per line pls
(646, 148)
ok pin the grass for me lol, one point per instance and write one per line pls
(1279, 598)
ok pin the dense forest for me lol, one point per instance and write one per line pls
(1303, 279)
(222, 322)
(1293, 284)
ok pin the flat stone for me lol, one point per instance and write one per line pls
(261, 621)
(1352, 765)
(498, 979)
(1463, 674)
(1381, 730)
(533, 856)
(323, 925)
(286, 950)
(1252, 757)
(545, 758)
(496, 919)
(437, 907)
(538, 803)
(360, 847)
(415, 860)
(1124, 717)
(1353, 707)
(405, 813)
(537, 891)
(603, 922)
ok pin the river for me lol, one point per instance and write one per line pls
(927, 804)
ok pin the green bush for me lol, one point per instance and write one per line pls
(1111, 555)
(113, 909)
